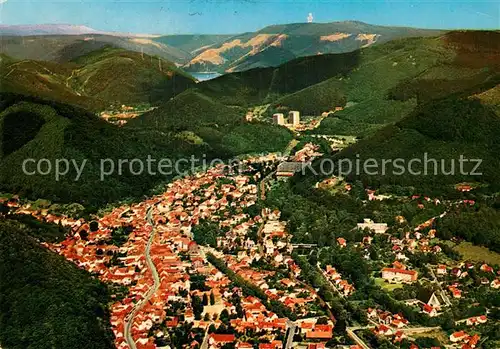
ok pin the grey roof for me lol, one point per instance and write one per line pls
(291, 166)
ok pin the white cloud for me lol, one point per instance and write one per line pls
(3, 1)
(479, 13)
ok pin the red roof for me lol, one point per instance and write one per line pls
(319, 334)
(223, 338)
(323, 328)
(316, 346)
(400, 271)
(459, 334)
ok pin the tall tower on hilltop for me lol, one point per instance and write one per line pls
(310, 18)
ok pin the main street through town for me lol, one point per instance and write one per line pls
(147, 254)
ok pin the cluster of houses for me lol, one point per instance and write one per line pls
(461, 272)
(415, 242)
(163, 224)
(386, 318)
(161, 228)
(123, 114)
(396, 335)
(388, 324)
(476, 320)
(184, 204)
(293, 120)
(287, 291)
(336, 143)
(308, 153)
(274, 238)
(298, 162)
(335, 278)
(463, 340)
(312, 330)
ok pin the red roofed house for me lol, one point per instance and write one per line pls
(392, 274)
(216, 340)
(243, 345)
(316, 346)
(473, 340)
(458, 336)
(442, 270)
(486, 268)
(429, 310)
(319, 335)
(272, 345)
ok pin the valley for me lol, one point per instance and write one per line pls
(250, 240)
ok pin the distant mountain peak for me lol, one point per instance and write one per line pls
(46, 29)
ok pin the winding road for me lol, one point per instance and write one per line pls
(129, 320)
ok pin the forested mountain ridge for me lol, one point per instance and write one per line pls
(96, 79)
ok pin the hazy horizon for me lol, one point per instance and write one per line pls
(98, 30)
(233, 17)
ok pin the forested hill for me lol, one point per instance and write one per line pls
(278, 44)
(444, 130)
(97, 79)
(200, 119)
(32, 128)
(45, 301)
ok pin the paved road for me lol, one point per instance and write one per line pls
(291, 326)
(443, 294)
(204, 344)
(356, 339)
(262, 185)
(129, 320)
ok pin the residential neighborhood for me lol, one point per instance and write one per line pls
(205, 265)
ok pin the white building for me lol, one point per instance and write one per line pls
(294, 118)
(279, 119)
(378, 228)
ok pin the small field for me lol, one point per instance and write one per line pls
(441, 336)
(477, 253)
(387, 286)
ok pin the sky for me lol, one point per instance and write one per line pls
(237, 16)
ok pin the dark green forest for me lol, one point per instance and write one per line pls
(46, 301)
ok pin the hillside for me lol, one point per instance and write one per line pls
(245, 88)
(45, 29)
(46, 301)
(444, 130)
(447, 106)
(95, 80)
(188, 125)
(260, 85)
(195, 116)
(189, 109)
(392, 78)
(127, 77)
(191, 43)
(379, 84)
(278, 44)
(44, 79)
(64, 48)
(31, 128)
